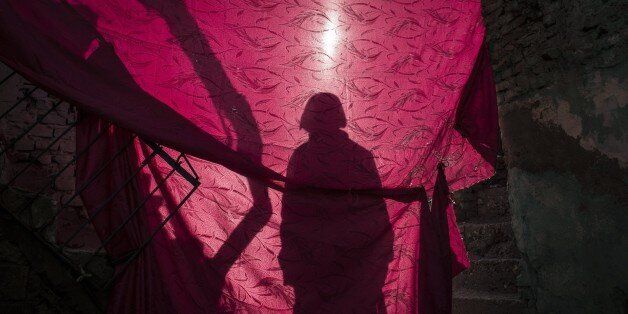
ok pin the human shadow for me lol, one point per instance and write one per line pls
(336, 243)
(235, 108)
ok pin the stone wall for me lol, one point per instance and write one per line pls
(560, 70)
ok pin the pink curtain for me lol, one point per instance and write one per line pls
(112, 190)
(319, 130)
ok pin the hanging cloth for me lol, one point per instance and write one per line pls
(318, 130)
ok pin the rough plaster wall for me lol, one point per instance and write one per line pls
(560, 71)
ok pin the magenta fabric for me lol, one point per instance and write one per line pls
(99, 176)
(318, 128)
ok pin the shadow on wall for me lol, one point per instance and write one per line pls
(183, 26)
(208, 273)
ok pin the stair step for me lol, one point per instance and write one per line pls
(482, 202)
(489, 240)
(477, 302)
(493, 201)
(489, 275)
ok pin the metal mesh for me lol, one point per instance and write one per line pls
(29, 185)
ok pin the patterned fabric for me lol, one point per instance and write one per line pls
(319, 129)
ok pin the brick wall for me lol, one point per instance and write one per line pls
(32, 279)
(48, 147)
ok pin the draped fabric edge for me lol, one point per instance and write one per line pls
(478, 98)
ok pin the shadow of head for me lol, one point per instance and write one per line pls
(323, 113)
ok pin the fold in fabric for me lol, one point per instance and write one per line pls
(351, 112)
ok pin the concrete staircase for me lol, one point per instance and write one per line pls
(489, 285)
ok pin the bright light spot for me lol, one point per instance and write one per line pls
(330, 35)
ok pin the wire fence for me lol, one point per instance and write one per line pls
(29, 184)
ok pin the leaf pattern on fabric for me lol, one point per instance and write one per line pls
(344, 102)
